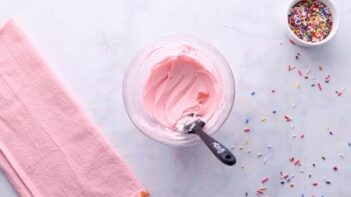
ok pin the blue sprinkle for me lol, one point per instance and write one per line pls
(253, 93)
(247, 121)
(274, 111)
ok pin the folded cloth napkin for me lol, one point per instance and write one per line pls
(48, 146)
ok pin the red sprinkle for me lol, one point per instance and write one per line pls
(264, 180)
(287, 118)
(292, 159)
(292, 42)
(320, 68)
(259, 192)
(247, 130)
(319, 86)
(302, 136)
(326, 78)
(291, 67)
(297, 163)
(300, 73)
(315, 184)
(335, 168)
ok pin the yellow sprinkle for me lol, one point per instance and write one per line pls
(262, 188)
(246, 141)
(263, 119)
(298, 86)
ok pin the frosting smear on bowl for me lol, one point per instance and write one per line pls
(178, 86)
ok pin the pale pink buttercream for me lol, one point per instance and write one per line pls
(178, 86)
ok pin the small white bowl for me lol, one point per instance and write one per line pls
(335, 17)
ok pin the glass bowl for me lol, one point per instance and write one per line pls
(139, 71)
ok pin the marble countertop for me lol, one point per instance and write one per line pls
(90, 44)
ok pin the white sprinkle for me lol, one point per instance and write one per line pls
(269, 146)
(294, 135)
(242, 167)
(308, 72)
(241, 148)
(341, 156)
(292, 126)
(259, 155)
(302, 170)
(292, 176)
(265, 160)
(313, 78)
(293, 105)
(232, 148)
(249, 151)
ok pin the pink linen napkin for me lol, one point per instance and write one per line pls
(48, 146)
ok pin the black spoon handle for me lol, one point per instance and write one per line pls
(220, 151)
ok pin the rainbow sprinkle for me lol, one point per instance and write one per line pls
(310, 20)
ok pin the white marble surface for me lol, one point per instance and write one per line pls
(90, 43)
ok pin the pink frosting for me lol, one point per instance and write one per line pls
(178, 86)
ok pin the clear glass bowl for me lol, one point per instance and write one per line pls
(139, 71)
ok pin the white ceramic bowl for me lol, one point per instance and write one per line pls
(335, 17)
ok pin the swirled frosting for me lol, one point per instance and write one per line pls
(178, 86)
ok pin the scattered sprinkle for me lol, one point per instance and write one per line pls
(297, 163)
(287, 118)
(292, 42)
(341, 156)
(247, 130)
(327, 78)
(291, 67)
(264, 180)
(335, 168)
(319, 86)
(265, 159)
(253, 93)
(299, 72)
(340, 92)
(298, 86)
(259, 192)
(302, 170)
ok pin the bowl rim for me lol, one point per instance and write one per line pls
(332, 6)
